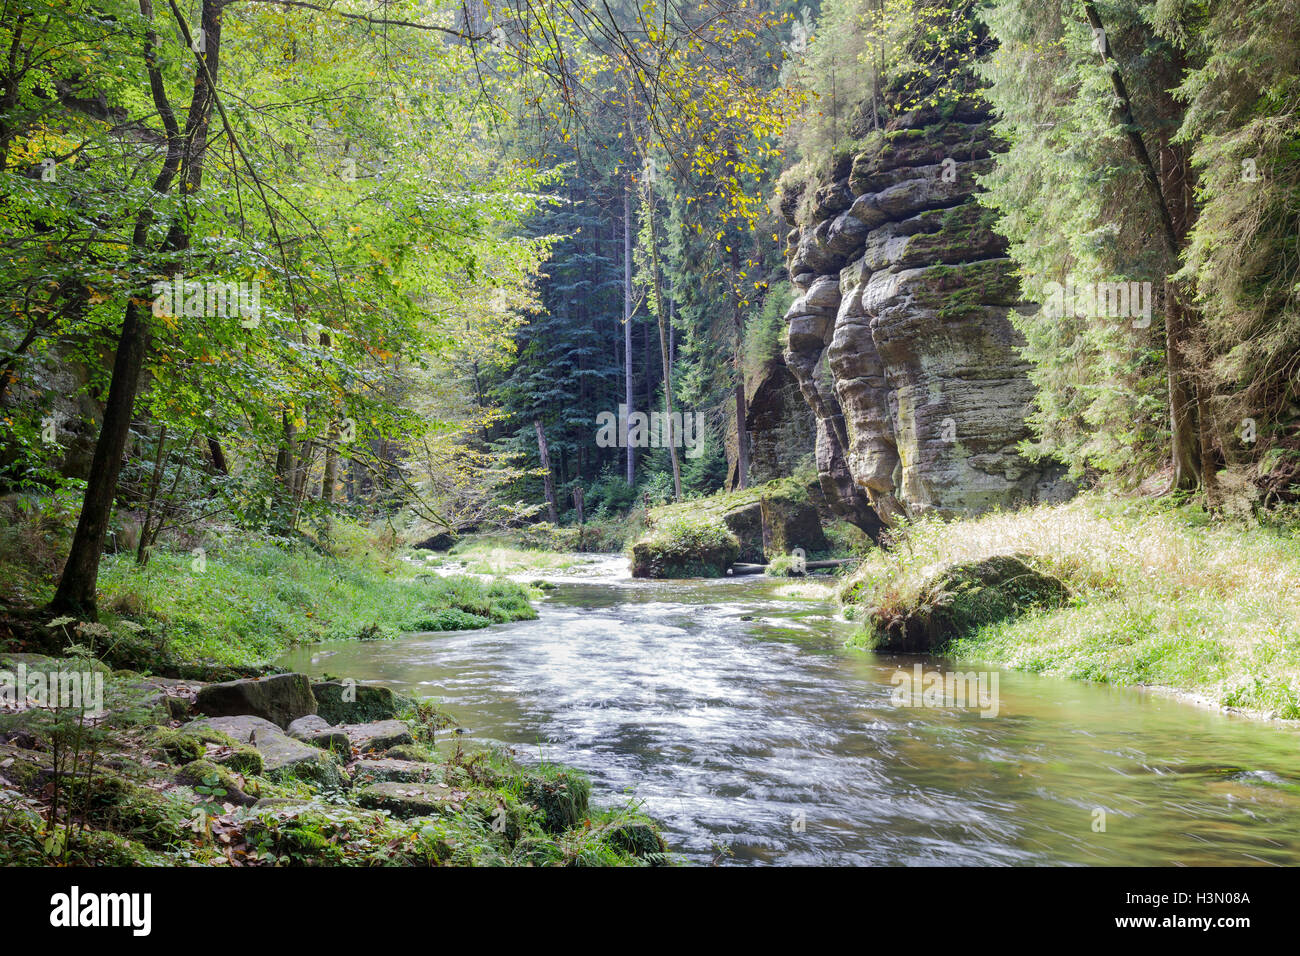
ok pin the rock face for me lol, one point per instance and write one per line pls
(899, 337)
(778, 421)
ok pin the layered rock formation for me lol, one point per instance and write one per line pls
(899, 337)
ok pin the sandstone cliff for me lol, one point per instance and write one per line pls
(899, 337)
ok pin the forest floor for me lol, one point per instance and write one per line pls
(1160, 595)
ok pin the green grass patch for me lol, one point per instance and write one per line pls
(252, 600)
(1162, 595)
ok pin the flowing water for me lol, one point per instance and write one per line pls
(737, 718)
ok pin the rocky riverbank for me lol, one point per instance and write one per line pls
(277, 770)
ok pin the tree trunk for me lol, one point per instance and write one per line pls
(219, 464)
(664, 348)
(142, 551)
(1185, 438)
(76, 591)
(627, 333)
(742, 428)
(330, 476)
(545, 454)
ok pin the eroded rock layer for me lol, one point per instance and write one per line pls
(899, 337)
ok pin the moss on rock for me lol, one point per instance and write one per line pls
(561, 795)
(964, 597)
(686, 548)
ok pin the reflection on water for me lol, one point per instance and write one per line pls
(742, 723)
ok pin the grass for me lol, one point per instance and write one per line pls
(1162, 595)
(255, 599)
(248, 598)
(714, 506)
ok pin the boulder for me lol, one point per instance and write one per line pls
(389, 770)
(341, 702)
(378, 735)
(411, 799)
(657, 559)
(315, 731)
(204, 773)
(281, 753)
(746, 523)
(964, 597)
(442, 541)
(279, 698)
(789, 523)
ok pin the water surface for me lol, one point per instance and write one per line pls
(738, 718)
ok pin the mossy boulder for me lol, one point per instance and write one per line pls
(686, 548)
(26, 769)
(176, 747)
(964, 597)
(561, 796)
(377, 735)
(411, 799)
(108, 801)
(280, 698)
(638, 839)
(315, 731)
(746, 523)
(390, 770)
(789, 523)
(282, 756)
(205, 773)
(413, 752)
(346, 702)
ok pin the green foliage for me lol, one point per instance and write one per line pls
(255, 598)
(1159, 595)
(683, 546)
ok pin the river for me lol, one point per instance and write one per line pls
(735, 715)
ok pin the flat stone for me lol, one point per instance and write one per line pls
(379, 735)
(410, 799)
(387, 769)
(280, 698)
(315, 731)
(277, 748)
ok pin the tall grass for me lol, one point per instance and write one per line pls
(1162, 595)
